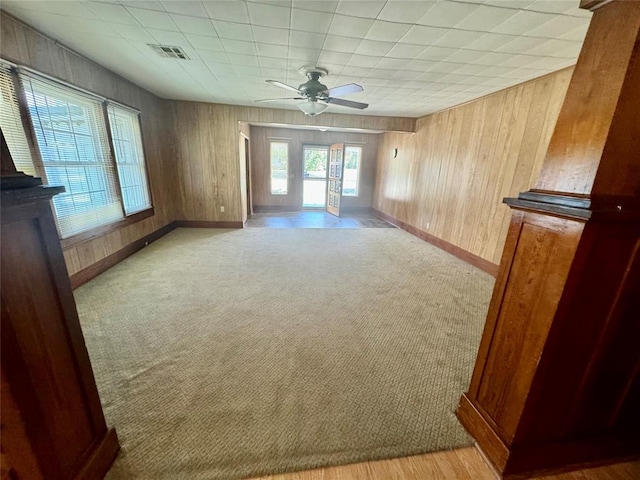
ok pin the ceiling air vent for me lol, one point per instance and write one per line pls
(168, 51)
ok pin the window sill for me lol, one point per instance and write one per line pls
(104, 229)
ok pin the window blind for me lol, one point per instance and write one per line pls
(11, 123)
(130, 162)
(73, 141)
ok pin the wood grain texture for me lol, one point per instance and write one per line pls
(460, 464)
(25, 46)
(297, 138)
(581, 144)
(449, 177)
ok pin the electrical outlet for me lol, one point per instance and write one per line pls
(222, 209)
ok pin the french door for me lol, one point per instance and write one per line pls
(336, 168)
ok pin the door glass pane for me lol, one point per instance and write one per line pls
(279, 168)
(352, 156)
(315, 162)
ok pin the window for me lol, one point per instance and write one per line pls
(127, 144)
(11, 123)
(279, 168)
(88, 145)
(352, 156)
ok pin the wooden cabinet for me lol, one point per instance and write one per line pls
(52, 421)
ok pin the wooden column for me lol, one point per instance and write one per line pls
(556, 382)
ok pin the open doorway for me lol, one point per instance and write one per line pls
(315, 160)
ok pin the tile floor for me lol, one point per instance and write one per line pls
(315, 219)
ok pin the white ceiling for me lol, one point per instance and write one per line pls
(411, 57)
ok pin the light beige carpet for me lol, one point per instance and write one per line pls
(223, 354)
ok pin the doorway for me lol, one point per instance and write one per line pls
(315, 161)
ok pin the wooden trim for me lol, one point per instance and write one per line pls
(275, 208)
(101, 458)
(92, 271)
(112, 153)
(98, 231)
(593, 4)
(206, 224)
(476, 261)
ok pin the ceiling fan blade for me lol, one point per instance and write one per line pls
(346, 103)
(278, 99)
(284, 85)
(344, 90)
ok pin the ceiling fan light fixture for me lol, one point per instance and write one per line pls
(312, 108)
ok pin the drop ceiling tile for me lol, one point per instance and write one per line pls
(523, 22)
(269, 15)
(552, 48)
(554, 6)
(458, 38)
(407, 75)
(576, 35)
(274, 51)
(356, 72)
(387, 31)
(238, 46)
(317, 5)
(491, 41)
(392, 63)
(308, 21)
(491, 58)
(192, 8)
(549, 64)
(570, 52)
(370, 47)
(340, 58)
(176, 39)
(131, 32)
(363, 60)
(460, 56)
(111, 13)
(437, 53)
(310, 56)
(557, 26)
(447, 14)
(306, 39)
(421, 35)
(521, 44)
(200, 26)
(335, 43)
(444, 67)
(67, 9)
(152, 19)
(401, 50)
(146, 4)
(212, 56)
(233, 31)
(404, 11)
(228, 11)
(515, 4)
(471, 69)
(247, 70)
(518, 61)
(350, 26)
(239, 59)
(203, 41)
(274, 36)
(364, 9)
(486, 17)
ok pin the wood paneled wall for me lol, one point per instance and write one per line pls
(449, 178)
(297, 138)
(25, 46)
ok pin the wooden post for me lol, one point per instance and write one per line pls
(557, 378)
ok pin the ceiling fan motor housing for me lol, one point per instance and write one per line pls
(312, 88)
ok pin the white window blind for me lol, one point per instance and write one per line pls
(127, 144)
(11, 123)
(72, 138)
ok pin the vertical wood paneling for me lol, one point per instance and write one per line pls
(297, 138)
(25, 46)
(449, 178)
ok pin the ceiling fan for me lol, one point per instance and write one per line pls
(316, 95)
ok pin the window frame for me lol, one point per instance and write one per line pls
(284, 142)
(128, 219)
(361, 147)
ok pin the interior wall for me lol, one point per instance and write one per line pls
(449, 178)
(25, 46)
(209, 174)
(297, 138)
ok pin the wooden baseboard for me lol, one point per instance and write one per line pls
(274, 208)
(476, 261)
(205, 224)
(100, 460)
(84, 275)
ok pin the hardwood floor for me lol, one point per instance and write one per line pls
(461, 464)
